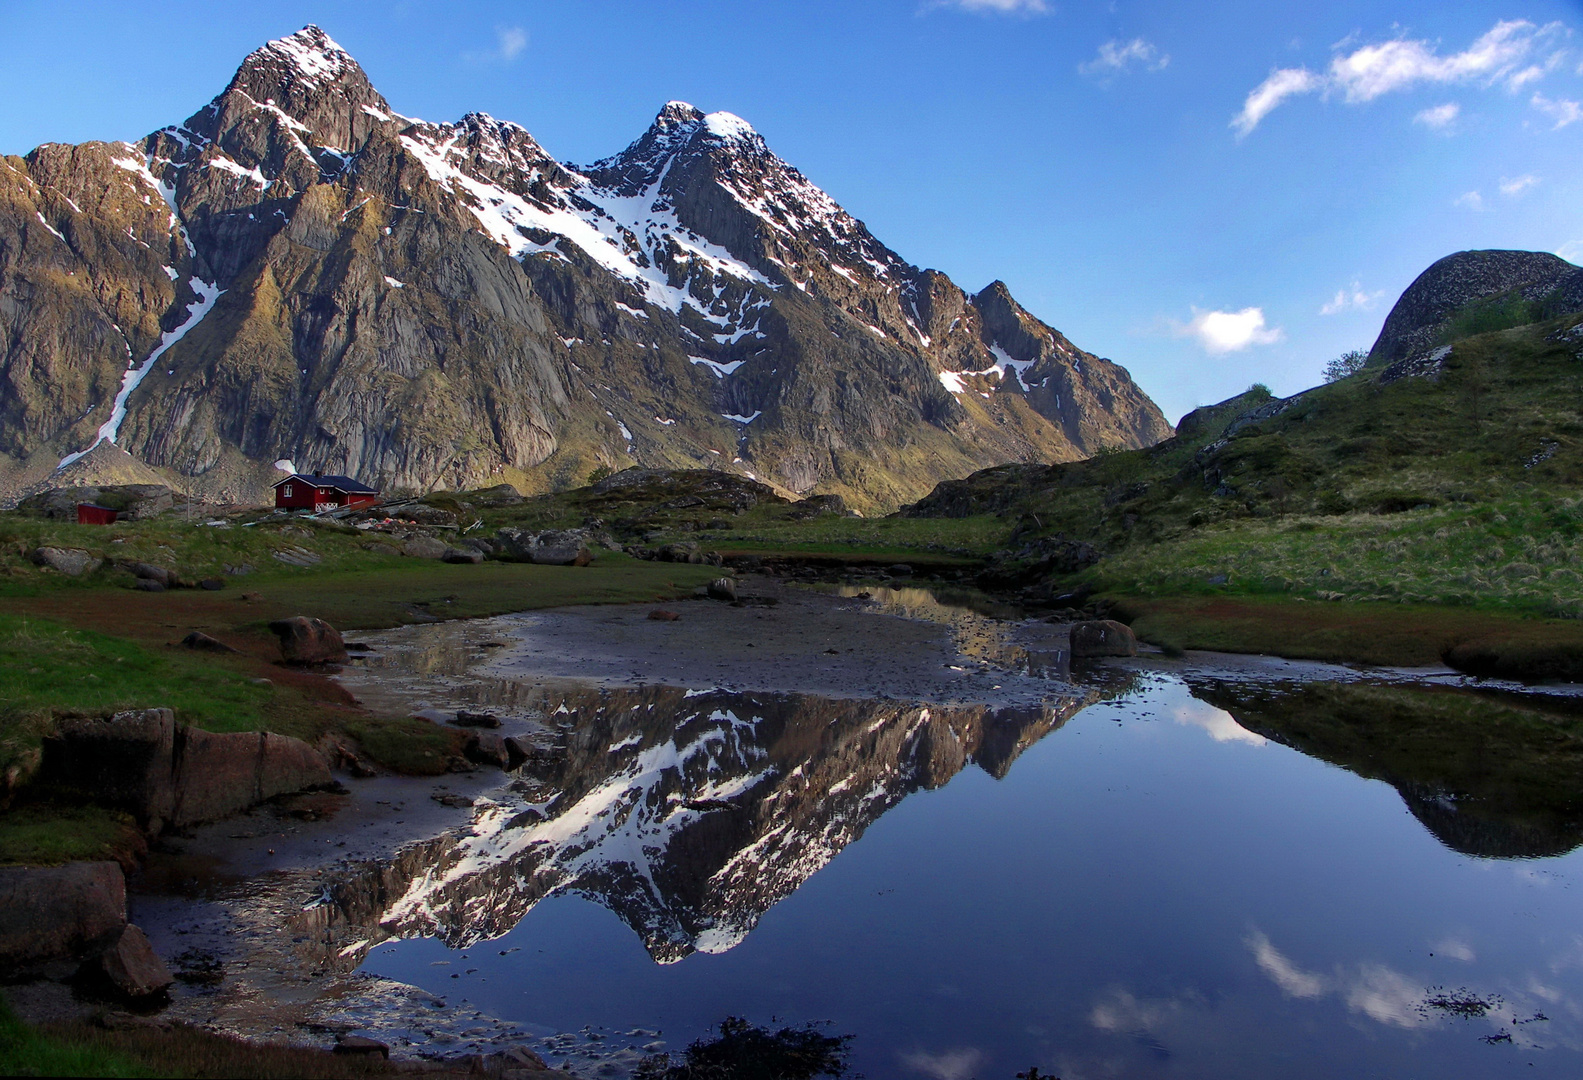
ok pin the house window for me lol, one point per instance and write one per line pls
(287, 491)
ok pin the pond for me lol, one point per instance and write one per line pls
(1160, 868)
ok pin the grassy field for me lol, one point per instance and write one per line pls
(93, 645)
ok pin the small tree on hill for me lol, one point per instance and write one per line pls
(1348, 363)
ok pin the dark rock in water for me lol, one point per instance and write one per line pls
(724, 588)
(487, 749)
(462, 555)
(661, 615)
(360, 1045)
(204, 643)
(1103, 637)
(900, 569)
(165, 772)
(467, 718)
(73, 562)
(309, 641)
(144, 584)
(133, 967)
(51, 912)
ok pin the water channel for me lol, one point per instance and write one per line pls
(1201, 867)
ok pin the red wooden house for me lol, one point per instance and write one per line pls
(305, 491)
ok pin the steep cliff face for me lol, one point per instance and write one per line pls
(298, 271)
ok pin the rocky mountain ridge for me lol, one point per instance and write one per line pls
(299, 271)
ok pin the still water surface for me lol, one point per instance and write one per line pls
(1147, 889)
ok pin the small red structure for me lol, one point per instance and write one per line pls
(92, 514)
(307, 491)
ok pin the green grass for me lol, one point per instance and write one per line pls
(51, 834)
(25, 1051)
(1370, 633)
(79, 1049)
(1513, 772)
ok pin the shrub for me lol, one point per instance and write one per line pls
(1348, 363)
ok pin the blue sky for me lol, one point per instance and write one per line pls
(1212, 195)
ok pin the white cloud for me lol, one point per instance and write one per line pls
(509, 43)
(1562, 111)
(512, 40)
(1571, 251)
(1384, 995)
(1221, 725)
(1293, 981)
(950, 1065)
(1230, 331)
(1470, 199)
(1516, 185)
(1439, 117)
(1126, 1014)
(1004, 7)
(1116, 57)
(1454, 949)
(1353, 298)
(1282, 84)
(1499, 55)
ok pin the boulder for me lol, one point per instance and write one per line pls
(212, 584)
(204, 643)
(425, 547)
(424, 514)
(499, 495)
(50, 912)
(483, 546)
(1103, 637)
(133, 967)
(724, 588)
(149, 572)
(462, 555)
(164, 772)
(73, 562)
(309, 641)
(148, 585)
(486, 748)
(361, 1046)
(557, 547)
(468, 718)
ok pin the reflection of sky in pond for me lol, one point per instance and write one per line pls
(1151, 891)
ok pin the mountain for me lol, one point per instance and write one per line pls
(298, 271)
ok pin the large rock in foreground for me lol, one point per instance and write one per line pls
(133, 967)
(169, 773)
(1103, 637)
(309, 641)
(54, 911)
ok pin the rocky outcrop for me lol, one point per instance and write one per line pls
(57, 911)
(445, 305)
(562, 547)
(133, 502)
(73, 562)
(1103, 637)
(130, 965)
(306, 642)
(1452, 283)
(171, 774)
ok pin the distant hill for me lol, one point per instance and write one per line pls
(1449, 468)
(298, 271)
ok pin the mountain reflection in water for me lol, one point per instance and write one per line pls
(687, 813)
